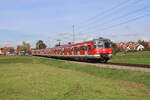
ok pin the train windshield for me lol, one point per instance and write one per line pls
(102, 44)
(107, 44)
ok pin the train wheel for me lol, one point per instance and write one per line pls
(106, 60)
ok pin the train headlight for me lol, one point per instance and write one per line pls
(110, 55)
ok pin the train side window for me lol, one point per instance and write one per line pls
(78, 48)
(75, 49)
(89, 47)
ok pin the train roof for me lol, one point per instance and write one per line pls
(85, 42)
(78, 44)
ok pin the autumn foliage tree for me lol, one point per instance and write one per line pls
(115, 48)
(24, 47)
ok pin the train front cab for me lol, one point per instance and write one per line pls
(102, 48)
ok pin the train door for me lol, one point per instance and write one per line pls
(89, 50)
(83, 50)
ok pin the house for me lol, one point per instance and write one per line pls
(140, 48)
(131, 46)
(148, 44)
(7, 50)
(0, 52)
(122, 45)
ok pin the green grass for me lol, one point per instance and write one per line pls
(132, 58)
(33, 78)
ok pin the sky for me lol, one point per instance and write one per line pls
(50, 20)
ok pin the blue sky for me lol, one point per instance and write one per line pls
(49, 20)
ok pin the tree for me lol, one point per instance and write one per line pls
(144, 43)
(40, 45)
(24, 48)
(115, 48)
(12, 50)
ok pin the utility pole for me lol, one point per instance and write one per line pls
(73, 33)
(49, 42)
(59, 42)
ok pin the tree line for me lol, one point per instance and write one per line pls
(25, 48)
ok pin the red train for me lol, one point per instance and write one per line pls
(96, 49)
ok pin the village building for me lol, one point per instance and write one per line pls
(148, 44)
(6, 50)
(0, 52)
(140, 48)
(122, 45)
(131, 46)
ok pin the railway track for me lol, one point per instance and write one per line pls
(133, 67)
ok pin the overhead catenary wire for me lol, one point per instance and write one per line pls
(104, 12)
(94, 21)
(125, 22)
(117, 18)
(106, 15)
(112, 12)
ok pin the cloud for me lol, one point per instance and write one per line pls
(8, 44)
(130, 34)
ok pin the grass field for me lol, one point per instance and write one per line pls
(132, 58)
(33, 78)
